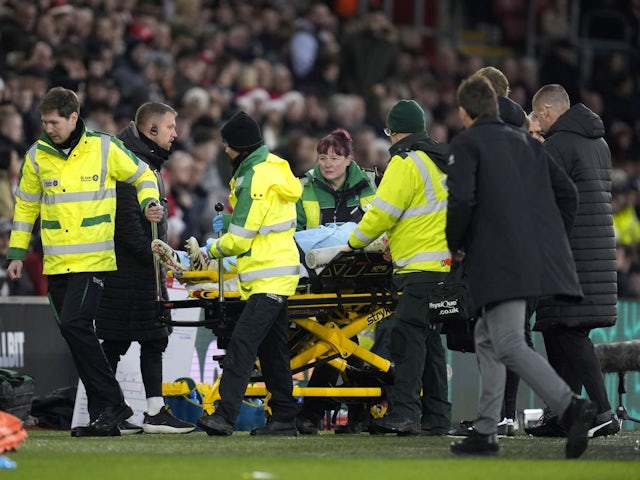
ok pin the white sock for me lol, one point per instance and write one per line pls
(154, 405)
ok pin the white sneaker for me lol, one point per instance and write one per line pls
(198, 259)
(165, 422)
(507, 427)
(167, 256)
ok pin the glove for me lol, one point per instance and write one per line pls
(227, 264)
(218, 223)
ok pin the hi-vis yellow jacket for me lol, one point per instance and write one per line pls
(411, 206)
(263, 196)
(75, 196)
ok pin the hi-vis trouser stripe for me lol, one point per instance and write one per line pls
(264, 230)
(269, 273)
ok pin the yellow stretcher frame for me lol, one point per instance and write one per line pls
(349, 313)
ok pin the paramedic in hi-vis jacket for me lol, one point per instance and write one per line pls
(69, 179)
(411, 206)
(260, 231)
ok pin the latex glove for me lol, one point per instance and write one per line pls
(218, 223)
(226, 264)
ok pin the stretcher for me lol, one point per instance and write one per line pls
(350, 294)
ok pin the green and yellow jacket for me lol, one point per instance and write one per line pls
(411, 206)
(321, 204)
(75, 196)
(260, 229)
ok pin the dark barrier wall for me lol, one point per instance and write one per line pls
(30, 343)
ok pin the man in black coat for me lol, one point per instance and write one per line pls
(574, 139)
(127, 311)
(507, 222)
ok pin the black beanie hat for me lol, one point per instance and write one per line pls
(242, 133)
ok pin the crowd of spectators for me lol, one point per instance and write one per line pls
(301, 68)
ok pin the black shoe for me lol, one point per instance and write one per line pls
(306, 426)
(577, 420)
(350, 428)
(107, 422)
(431, 431)
(606, 428)
(128, 428)
(274, 428)
(91, 432)
(397, 425)
(215, 425)
(464, 430)
(548, 426)
(476, 444)
(164, 422)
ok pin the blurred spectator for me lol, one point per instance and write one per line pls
(369, 57)
(560, 65)
(17, 25)
(99, 116)
(10, 164)
(129, 68)
(69, 70)
(8, 287)
(623, 200)
(12, 128)
(312, 44)
(300, 151)
(34, 263)
(627, 288)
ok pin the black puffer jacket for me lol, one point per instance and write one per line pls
(127, 310)
(576, 143)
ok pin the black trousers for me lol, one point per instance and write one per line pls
(261, 332)
(418, 354)
(74, 298)
(150, 361)
(571, 353)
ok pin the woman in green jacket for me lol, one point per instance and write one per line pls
(335, 191)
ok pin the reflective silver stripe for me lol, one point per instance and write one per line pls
(22, 226)
(105, 143)
(437, 206)
(219, 249)
(433, 204)
(361, 236)
(241, 231)
(269, 273)
(239, 181)
(50, 199)
(32, 157)
(141, 168)
(28, 197)
(146, 184)
(79, 248)
(387, 207)
(277, 227)
(422, 257)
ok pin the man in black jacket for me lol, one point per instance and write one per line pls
(574, 139)
(127, 311)
(508, 223)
